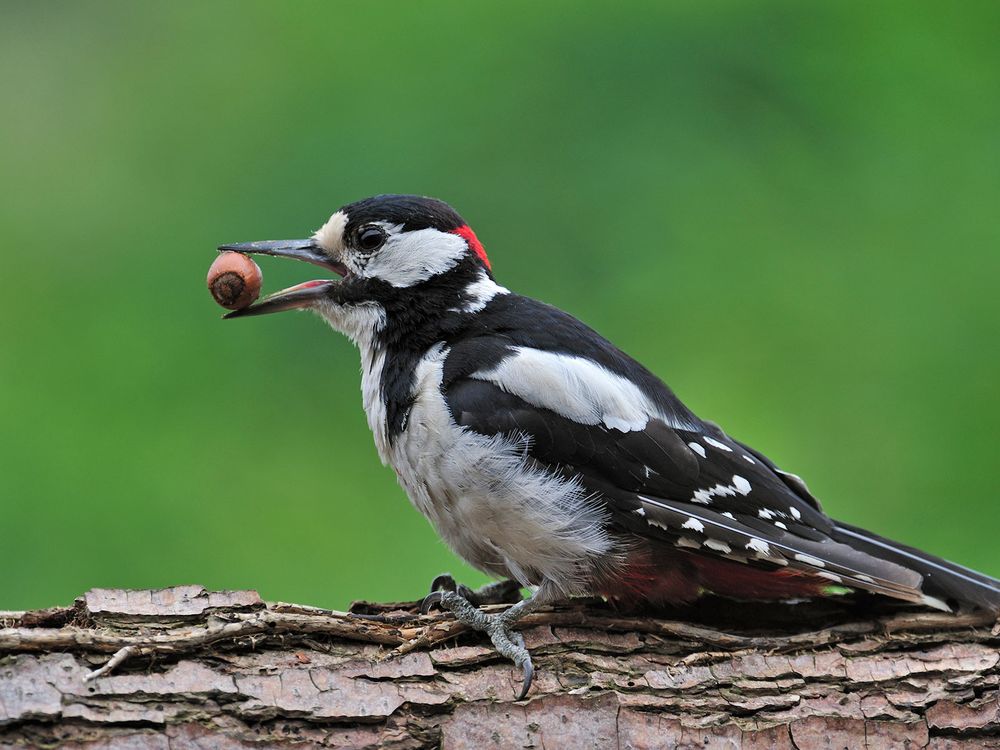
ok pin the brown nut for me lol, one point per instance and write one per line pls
(234, 280)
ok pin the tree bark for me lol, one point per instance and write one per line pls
(187, 668)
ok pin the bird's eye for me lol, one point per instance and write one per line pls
(371, 238)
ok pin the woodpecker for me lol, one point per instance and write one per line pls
(544, 455)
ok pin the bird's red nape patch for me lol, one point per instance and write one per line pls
(466, 233)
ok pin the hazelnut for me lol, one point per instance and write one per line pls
(234, 280)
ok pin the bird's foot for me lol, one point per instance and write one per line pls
(507, 642)
(498, 592)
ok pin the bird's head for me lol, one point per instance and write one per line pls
(388, 250)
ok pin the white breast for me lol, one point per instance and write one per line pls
(485, 497)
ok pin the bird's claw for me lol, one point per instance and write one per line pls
(529, 675)
(525, 664)
(430, 600)
(507, 642)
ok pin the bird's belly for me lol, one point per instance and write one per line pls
(496, 508)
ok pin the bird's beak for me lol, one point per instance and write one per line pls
(298, 296)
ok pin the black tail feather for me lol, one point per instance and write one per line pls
(955, 585)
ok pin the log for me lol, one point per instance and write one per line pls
(188, 668)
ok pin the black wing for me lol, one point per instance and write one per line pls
(681, 479)
(727, 503)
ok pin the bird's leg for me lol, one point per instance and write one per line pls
(497, 592)
(507, 642)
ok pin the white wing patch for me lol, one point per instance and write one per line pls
(575, 388)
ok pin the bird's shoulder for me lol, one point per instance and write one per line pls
(524, 339)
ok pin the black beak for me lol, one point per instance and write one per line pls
(306, 250)
(298, 296)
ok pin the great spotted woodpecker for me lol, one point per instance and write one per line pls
(543, 454)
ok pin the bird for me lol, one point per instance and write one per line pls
(549, 459)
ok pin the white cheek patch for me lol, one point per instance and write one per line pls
(572, 387)
(330, 236)
(408, 258)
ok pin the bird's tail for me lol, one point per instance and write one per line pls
(945, 584)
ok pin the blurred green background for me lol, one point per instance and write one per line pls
(788, 210)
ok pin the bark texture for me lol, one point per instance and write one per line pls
(188, 668)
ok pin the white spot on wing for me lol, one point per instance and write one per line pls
(830, 576)
(748, 459)
(727, 514)
(716, 444)
(739, 486)
(718, 546)
(810, 560)
(704, 497)
(759, 546)
(693, 524)
(795, 513)
(697, 448)
(780, 525)
(640, 511)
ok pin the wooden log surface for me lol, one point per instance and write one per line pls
(188, 668)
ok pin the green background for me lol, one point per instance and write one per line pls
(787, 210)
